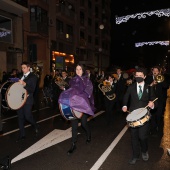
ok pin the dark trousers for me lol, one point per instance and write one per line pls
(0, 114)
(157, 116)
(109, 106)
(84, 124)
(139, 138)
(25, 113)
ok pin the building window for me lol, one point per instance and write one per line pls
(89, 22)
(96, 27)
(89, 39)
(89, 4)
(82, 18)
(82, 2)
(59, 26)
(5, 29)
(38, 14)
(96, 41)
(96, 12)
(69, 30)
(82, 34)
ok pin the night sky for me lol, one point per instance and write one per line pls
(125, 35)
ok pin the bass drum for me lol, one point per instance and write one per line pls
(68, 113)
(13, 95)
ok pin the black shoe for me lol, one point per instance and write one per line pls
(20, 139)
(88, 140)
(72, 149)
(133, 161)
(5, 163)
(1, 132)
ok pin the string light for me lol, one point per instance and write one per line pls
(159, 13)
(140, 44)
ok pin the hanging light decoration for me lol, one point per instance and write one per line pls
(140, 44)
(159, 13)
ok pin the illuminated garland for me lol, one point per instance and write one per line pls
(159, 13)
(140, 44)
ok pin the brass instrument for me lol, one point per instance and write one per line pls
(36, 70)
(60, 82)
(159, 78)
(106, 87)
(129, 82)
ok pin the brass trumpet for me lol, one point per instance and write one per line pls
(159, 78)
(106, 87)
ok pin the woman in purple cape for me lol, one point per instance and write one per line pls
(80, 98)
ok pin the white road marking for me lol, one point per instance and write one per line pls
(53, 138)
(103, 157)
(17, 116)
(15, 130)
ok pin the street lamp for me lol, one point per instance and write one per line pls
(101, 27)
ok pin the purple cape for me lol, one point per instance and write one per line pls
(79, 96)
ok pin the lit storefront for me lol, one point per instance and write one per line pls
(63, 61)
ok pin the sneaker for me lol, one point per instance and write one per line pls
(133, 161)
(145, 156)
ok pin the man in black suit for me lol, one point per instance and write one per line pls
(29, 81)
(109, 98)
(120, 90)
(139, 135)
(161, 92)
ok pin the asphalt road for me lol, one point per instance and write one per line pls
(109, 149)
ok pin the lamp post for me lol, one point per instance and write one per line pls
(101, 27)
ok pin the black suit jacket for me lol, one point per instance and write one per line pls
(135, 103)
(31, 82)
(160, 88)
(67, 80)
(121, 87)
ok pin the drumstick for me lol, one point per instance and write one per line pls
(147, 105)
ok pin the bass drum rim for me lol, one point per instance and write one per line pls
(3, 96)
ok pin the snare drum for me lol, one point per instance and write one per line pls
(138, 117)
(68, 113)
(13, 95)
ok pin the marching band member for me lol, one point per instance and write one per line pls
(161, 92)
(80, 98)
(120, 90)
(109, 97)
(29, 81)
(140, 97)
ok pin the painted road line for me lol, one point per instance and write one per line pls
(103, 157)
(17, 115)
(15, 130)
(53, 138)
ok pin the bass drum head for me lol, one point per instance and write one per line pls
(136, 114)
(77, 114)
(66, 112)
(16, 96)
